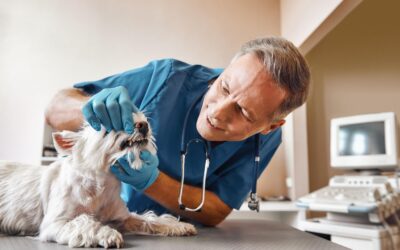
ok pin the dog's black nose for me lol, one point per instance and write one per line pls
(142, 127)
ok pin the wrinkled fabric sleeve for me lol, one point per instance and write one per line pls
(234, 182)
(141, 83)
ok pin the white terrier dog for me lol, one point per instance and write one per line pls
(76, 200)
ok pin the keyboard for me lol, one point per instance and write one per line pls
(348, 194)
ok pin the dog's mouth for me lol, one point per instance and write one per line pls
(130, 143)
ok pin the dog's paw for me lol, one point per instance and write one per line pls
(109, 237)
(186, 229)
(180, 229)
(80, 240)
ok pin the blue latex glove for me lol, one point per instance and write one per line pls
(139, 179)
(112, 108)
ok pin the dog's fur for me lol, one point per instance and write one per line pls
(76, 200)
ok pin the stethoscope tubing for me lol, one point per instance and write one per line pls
(184, 150)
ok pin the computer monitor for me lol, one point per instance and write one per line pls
(364, 142)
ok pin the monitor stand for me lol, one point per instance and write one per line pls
(368, 172)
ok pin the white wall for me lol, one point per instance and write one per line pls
(307, 22)
(299, 19)
(46, 45)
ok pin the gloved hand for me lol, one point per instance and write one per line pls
(142, 178)
(111, 107)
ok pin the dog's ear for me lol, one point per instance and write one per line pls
(64, 141)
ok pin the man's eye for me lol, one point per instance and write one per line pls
(241, 110)
(224, 89)
(243, 113)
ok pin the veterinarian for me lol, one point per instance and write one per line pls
(267, 79)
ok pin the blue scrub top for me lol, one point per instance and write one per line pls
(164, 90)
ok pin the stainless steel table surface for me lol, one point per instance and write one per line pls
(231, 234)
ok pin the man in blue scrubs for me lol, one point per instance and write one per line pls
(266, 80)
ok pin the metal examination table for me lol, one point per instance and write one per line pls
(231, 234)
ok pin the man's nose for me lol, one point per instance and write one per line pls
(142, 127)
(222, 110)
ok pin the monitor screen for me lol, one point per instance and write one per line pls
(367, 141)
(362, 139)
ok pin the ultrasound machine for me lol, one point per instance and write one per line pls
(363, 206)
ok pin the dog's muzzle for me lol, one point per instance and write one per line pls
(139, 139)
(142, 127)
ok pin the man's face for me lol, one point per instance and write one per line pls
(240, 102)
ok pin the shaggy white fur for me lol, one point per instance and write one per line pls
(76, 200)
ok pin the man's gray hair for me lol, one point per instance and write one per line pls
(287, 67)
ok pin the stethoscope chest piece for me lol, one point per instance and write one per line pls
(254, 203)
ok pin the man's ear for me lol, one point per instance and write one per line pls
(64, 141)
(273, 126)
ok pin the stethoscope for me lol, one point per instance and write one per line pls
(253, 203)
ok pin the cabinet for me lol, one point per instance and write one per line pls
(284, 212)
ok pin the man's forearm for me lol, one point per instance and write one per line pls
(165, 190)
(64, 110)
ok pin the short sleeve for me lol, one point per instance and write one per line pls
(142, 83)
(233, 182)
